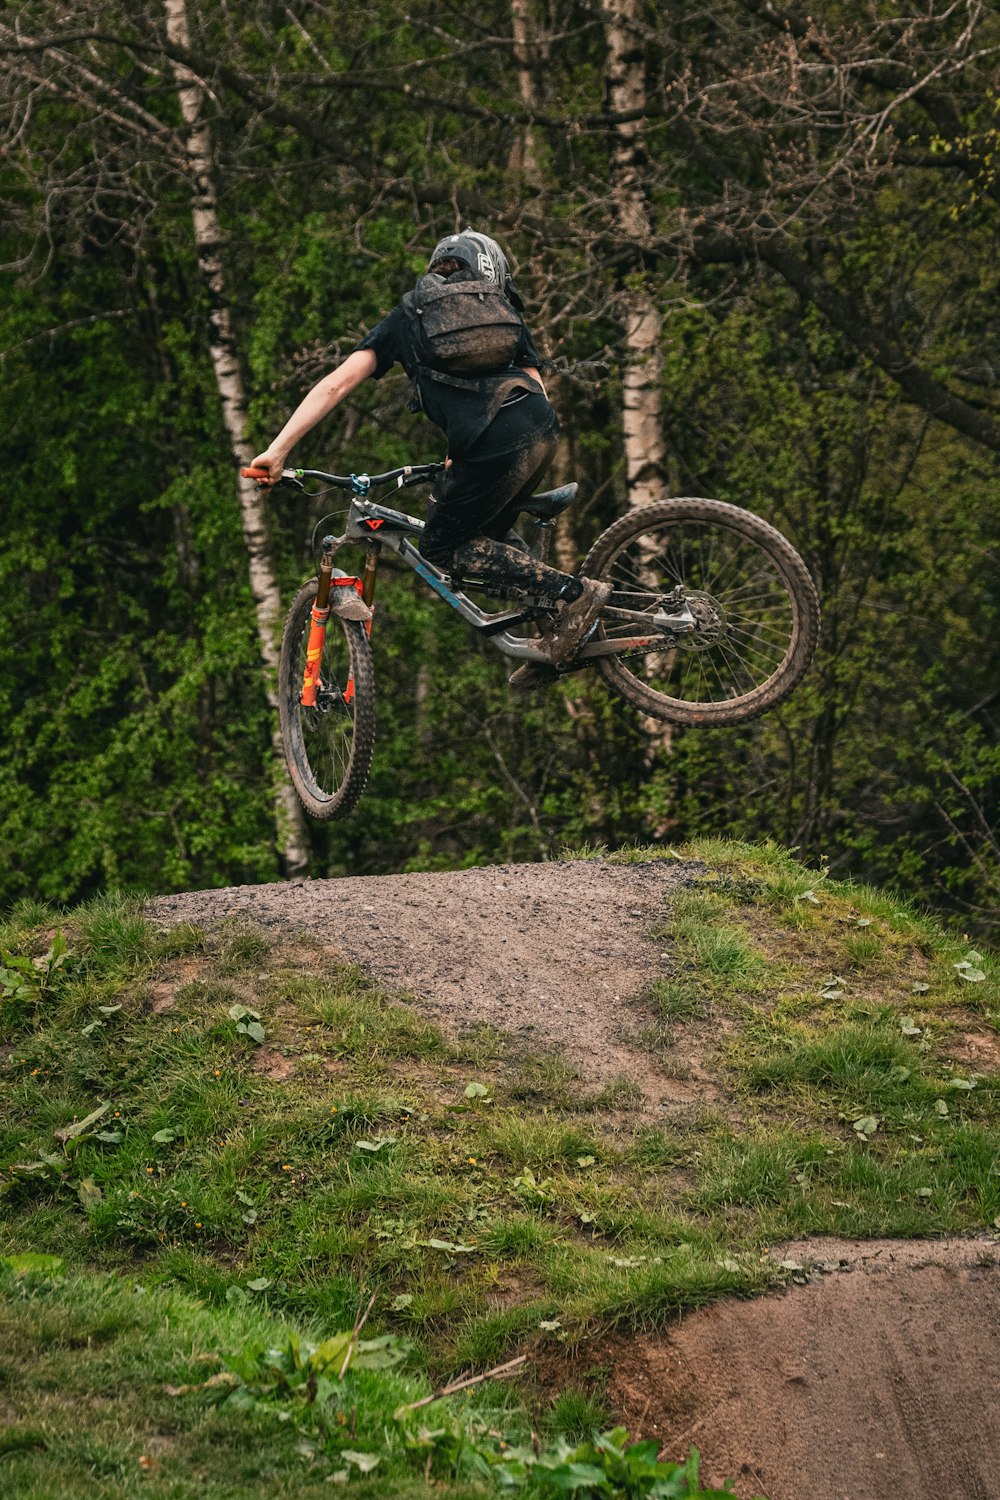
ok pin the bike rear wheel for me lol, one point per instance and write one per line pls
(750, 592)
(328, 748)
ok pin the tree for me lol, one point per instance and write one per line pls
(210, 240)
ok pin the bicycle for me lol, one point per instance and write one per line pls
(713, 620)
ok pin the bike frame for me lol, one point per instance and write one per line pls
(378, 526)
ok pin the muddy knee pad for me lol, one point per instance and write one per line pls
(438, 551)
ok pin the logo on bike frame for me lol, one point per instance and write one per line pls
(375, 522)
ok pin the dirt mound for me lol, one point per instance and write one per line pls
(554, 954)
(873, 1379)
(871, 1375)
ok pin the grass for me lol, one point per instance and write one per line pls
(278, 1142)
(845, 1015)
(181, 1424)
(113, 1388)
(349, 1143)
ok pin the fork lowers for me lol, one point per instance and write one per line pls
(320, 614)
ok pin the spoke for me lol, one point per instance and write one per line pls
(328, 732)
(642, 584)
(753, 639)
(740, 666)
(762, 661)
(713, 559)
(748, 594)
(653, 562)
(741, 596)
(715, 665)
(734, 583)
(767, 619)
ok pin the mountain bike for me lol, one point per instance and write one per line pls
(712, 620)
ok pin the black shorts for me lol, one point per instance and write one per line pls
(480, 493)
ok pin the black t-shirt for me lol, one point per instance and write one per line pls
(455, 411)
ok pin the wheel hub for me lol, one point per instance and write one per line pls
(710, 622)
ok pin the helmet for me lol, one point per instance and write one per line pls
(482, 255)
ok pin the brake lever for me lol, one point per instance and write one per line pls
(405, 481)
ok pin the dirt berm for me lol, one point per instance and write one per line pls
(874, 1377)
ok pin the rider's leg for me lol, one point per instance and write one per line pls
(506, 566)
(476, 502)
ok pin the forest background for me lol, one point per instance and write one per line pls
(757, 244)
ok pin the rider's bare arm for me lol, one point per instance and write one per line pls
(321, 400)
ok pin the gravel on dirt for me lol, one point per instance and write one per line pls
(557, 955)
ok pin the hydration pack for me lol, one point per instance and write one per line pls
(462, 325)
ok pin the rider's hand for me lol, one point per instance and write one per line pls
(271, 461)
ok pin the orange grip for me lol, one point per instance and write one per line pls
(253, 473)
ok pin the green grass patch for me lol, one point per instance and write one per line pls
(171, 1103)
(849, 1012)
(114, 1387)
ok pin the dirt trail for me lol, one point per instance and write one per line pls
(554, 954)
(876, 1380)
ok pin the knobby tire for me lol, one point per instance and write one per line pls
(328, 755)
(651, 526)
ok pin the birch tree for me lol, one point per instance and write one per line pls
(209, 242)
(645, 452)
(527, 55)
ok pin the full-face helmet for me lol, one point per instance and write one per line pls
(478, 252)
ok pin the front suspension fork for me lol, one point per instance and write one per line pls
(321, 615)
(368, 577)
(317, 632)
(367, 587)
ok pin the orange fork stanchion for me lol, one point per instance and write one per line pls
(367, 593)
(317, 632)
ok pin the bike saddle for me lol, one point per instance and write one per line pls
(551, 503)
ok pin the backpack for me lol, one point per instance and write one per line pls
(462, 325)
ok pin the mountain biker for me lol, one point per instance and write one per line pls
(491, 404)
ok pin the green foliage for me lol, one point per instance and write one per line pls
(139, 741)
(173, 1418)
(25, 981)
(307, 1372)
(237, 1399)
(604, 1466)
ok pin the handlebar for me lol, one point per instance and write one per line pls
(358, 484)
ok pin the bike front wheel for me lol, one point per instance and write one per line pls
(328, 747)
(755, 608)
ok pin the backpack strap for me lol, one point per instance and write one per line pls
(493, 388)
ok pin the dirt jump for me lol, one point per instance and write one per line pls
(871, 1375)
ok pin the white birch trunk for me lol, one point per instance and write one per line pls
(263, 583)
(645, 450)
(532, 50)
(524, 29)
